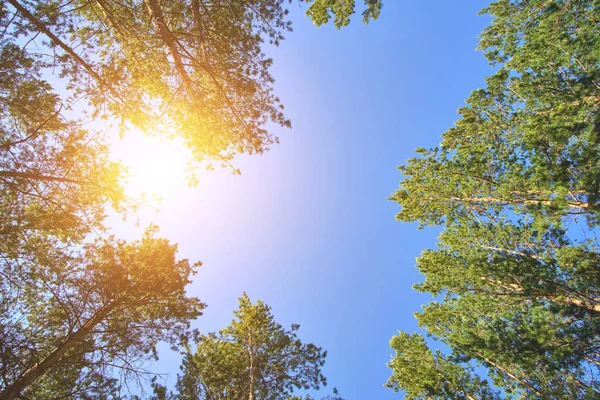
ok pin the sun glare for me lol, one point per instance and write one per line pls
(156, 167)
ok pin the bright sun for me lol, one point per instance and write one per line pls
(156, 167)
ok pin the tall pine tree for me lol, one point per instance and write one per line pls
(515, 186)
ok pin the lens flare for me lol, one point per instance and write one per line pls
(156, 167)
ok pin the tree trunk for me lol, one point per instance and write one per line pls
(251, 353)
(588, 359)
(199, 28)
(38, 177)
(509, 251)
(167, 37)
(13, 390)
(512, 376)
(592, 305)
(572, 204)
(42, 28)
(108, 14)
(580, 303)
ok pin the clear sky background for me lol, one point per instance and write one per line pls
(307, 228)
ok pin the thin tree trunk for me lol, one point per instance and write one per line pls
(13, 390)
(42, 28)
(39, 177)
(35, 132)
(572, 204)
(594, 305)
(512, 376)
(512, 287)
(588, 359)
(514, 252)
(583, 385)
(167, 37)
(199, 28)
(581, 303)
(251, 353)
(108, 14)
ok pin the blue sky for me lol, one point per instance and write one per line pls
(307, 228)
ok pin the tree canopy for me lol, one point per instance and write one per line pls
(253, 358)
(514, 184)
(81, 312)
(97, 312)
(197, 70)
(55, 176)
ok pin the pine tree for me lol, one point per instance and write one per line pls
(253, 358)
(515, 186)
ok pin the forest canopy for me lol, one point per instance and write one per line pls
(513, 189)
(81, 311)
(197, 70)
(514, 185)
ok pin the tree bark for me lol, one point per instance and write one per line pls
(251, 354)
(108, 14)
(509, 251)
(571, 204)
(580, 303)
(588, 359)
(512, 376)
(167, 37)
(42, 28)
(594, 305)
(39, 177)
(13, 390)
(199, 27)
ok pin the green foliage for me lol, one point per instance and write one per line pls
(76, 313)
(321, 11)
(528, 141)
(252, 358)
(425, 374)
(191, 69)
(97, 312)
(515, 185)
(81, 312)
(55, 177)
